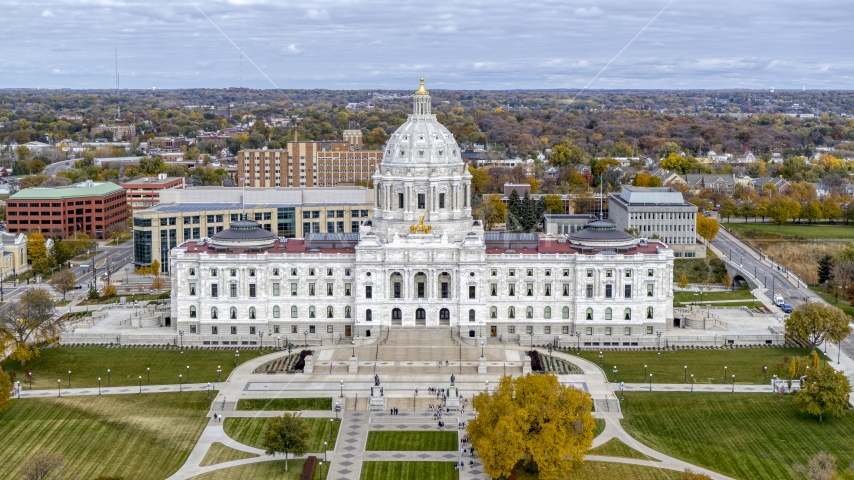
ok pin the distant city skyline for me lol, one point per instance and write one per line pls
(337, 44)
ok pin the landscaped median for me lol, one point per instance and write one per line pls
(446, 441)
(285, 404)
(250, 431)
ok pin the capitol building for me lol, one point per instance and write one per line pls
(423, 261)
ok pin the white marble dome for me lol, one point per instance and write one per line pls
(422, 140)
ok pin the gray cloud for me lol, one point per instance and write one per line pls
(454, 44)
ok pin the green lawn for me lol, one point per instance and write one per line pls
(111, 436)
(752, 303)
(689, 297)
(125, 364)
(409, 471)
(804, 231)
(412, 441)
(609, 471)
(745, 436)
(219, 453)
(274, 469)
(616, 448)
(831, 299)
(600, 425)
(250, 431)
(285, 404)
(707, 366)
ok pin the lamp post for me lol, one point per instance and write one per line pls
(218, 373)
(550, 349)
(724, 375)
(650, 382)
(686, 373)
(180, 382)
(188, 374)
(600, 358)
(236, 358)
(69, 379)
(733, 384)
(578, 336)
(481, 349)
(305, 333)
(658, 334)
(324, 451)
(30, 378)
(644, 374)
(127, 282)
(487, 387)
(615, 374)
(209, 390)
(260, 341)
(58, 387)
(353, 345)
(108, 378)
(558, 342)
(148, 371)
(140, 384)
(764, 373)
(99, 386)
(709, 308)
(342, 389)
(336, 414)
(181, 334)
(692, 382)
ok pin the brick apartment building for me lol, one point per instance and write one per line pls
(86, 207)
(309, 164)
(145, 192)
(120, 132)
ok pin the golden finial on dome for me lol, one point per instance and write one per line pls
(421, 90)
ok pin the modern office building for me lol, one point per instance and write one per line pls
(145, 192)
(423, 261)
(658, 212)
(309, 164)
(196, 213)
(88, 207)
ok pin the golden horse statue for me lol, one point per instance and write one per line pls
(420, 228)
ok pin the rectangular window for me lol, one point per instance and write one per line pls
(192, 329)
(329, 329)
(565, 289)
(233, 272)
(589, 273)
(608, 293)
(628, 291)
(251, 272)
(251, 290)
(329, 289)
(650, 290)
(441, 200)
(529, 290)
(276, 289)
(649, 330)
(347, 289)
(251, 330)
(530, 272)
(493, 289)
(214, 290)
(628, 273)
(369, 291)
(548, 291)
(311, 289)
(529, 329)
(627, 331)
(330, 227)
(192, 289)
(445, 290)
(234, 330)
(609, 273)
(399, 200)
(214, 330)
(396, 288)
(607, 330)
(589, 291)
(472, 291)
(420, 289)
(354, 226)
(511, 329)
(512, 289)
(565, 330)
(421, 201)
(547, 329)
(649, 273)
(232, 292)
(565, 272)
(588, 331)
(293, 289)
(512, 272)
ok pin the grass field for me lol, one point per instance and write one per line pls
(412, 441)
(831, 299)
(609, 471)
(219, 453)
(600, 425)
(707, 366)
(688, 297)
(752, 303)
(744, 436)
(125, 364)
(616, 448)
(803, 231)
(250, 431)
(112, 436)
(274, 469)
(408, 470)
(285, 404)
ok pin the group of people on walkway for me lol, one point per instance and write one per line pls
(393, 411)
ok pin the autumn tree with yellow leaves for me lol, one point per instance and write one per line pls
(533, 420)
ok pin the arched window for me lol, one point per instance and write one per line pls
(396, 314)
(252, 313)
(444, 314)
(648, 312)
(471, 315)
(311, 311)
(565, 312)
(346, 312)
(329, 312)
(493, 312)
(294, 311)
(511, 312)
(628, 314)
(589, 315)
(608, 313)
(547, 312)
(369, 316)
(192, 312)
(420, 314)
(529, 312)
(214, 313)
(232, 313)
(276, 312)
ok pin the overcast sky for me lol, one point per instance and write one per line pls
(473, 44)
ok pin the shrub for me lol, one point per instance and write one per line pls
(308, 471)
(300, 365)
(536, 364)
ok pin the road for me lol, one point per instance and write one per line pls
(57, 167)
(776, 280)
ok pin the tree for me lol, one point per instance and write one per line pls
(820, 467)
(28, 322)
(534, 183)
(155, 268)
(646, 180)
(63, 282)
(157, 283)
(781, 210)
(677, 163)
(727, 281)
(728, 209)
(41, 466)
(825, 269)
(533, 418)
(554, 204)
(812, 211)
(567, 153)
(815, 322)
(830, 209)
(108, 290)
(683, 282)
(823, 389)
(286, 434)
(493, 211)
(117, 230)
(529, 214)
(514, 212)
(5, 391)
(707, 227)
(36, 250)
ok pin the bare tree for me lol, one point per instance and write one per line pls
(64, 282)
(820, 467)
(42, 466)
(27, 322)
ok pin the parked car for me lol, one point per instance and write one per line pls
(786, 308)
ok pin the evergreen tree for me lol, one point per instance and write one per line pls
(825, 269)
(529, 213)
(514, 212)
(541, 208)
